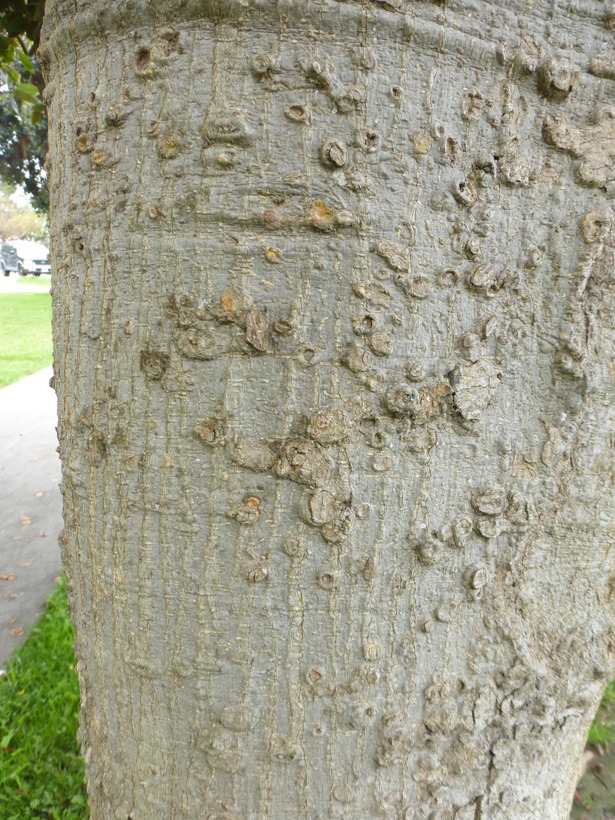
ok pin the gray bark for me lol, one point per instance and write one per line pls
(334, 332)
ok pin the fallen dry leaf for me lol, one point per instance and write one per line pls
(16, 632)
(27, 564)
(10, 576)
(44, 534)
(25, 520)
(39, 495)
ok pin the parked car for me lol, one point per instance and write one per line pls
(9, 261)
(33, 257)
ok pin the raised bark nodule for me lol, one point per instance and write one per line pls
(334, 328)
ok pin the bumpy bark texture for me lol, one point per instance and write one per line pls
(334, 329)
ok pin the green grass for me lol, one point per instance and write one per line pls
(25, 335)
(602, 730)
(41, 770)
(43, 281)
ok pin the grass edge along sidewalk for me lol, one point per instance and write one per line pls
(25, 335)
(41, 769)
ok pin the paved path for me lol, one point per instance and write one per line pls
(30, 506)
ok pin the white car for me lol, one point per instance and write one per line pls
(33, 257)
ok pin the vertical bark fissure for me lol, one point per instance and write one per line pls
(335, 402)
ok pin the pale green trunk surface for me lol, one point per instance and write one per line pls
(334, 331)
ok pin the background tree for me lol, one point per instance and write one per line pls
(19, 221)
(23, 117)
(334, 332)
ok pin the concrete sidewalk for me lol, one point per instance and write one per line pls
(30, 506)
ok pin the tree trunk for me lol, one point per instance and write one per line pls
(333, 319)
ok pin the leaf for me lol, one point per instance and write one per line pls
(10, 576)
(28, 88)
(36, 115)
(25, 61)
(24, 97)
(27, 92)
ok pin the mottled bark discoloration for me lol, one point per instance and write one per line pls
(333, 298)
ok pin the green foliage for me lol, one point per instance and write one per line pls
(20, 221)
(20, 26)
(23, 120)
(41, 770)
(23, 147)
(602, 730)
(22, 18)
(25, 336)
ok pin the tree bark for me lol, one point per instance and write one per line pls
(334, 333)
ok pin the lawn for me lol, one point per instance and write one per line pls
(43, 282)
(41, 770)
(25, 335)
